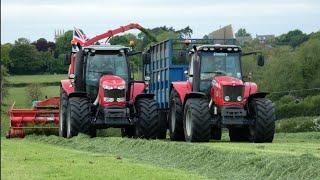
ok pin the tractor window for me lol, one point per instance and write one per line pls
(106, 63)
(226, 64)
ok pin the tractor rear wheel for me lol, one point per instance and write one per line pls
(79, 117)
(263, 113)
(239, 134)
(176, 118)
(148, 118)
(196, 120)
(63, 113)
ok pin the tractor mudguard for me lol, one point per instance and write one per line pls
(136, 88)
(144, 95)
(78, 94)
(193, 95)
(182, 88)
(67, 86)
(257, 95)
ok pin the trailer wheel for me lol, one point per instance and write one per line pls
(197, 120)
(63, 113)
(148, 118)
(78, 117)
(176, 118)
(263, 113)
(239, 134)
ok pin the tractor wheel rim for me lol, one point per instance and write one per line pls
(188, 123)
(68, 126)
(173, 117)
(61, 121)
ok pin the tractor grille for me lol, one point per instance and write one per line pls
(114, 93)
(233, 92)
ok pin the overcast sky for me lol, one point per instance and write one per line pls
(34, 19)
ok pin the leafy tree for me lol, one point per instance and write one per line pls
(25, 58)
(292, 38)
(63, 43)
(3, 82)
(309, 57)
(5, 49)
(242, 32)
(43, 45)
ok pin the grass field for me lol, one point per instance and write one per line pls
(290, 156)
(17, 79)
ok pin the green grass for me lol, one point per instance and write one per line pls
(23, 159)
(18, 79)
(291, 156)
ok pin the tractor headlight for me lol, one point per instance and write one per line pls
(121, 87)
(239, 98)
(121, 99)
(107, 87)
(106, 99)
(227, 98)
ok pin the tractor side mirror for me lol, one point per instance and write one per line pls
(67, 59)
(260, 60)
(146, 58)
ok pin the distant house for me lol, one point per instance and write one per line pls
(263, 39)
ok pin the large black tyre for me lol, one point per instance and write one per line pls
(148, 118)
(239, 134)
(196, 121)
(162, 125)
(78, 117)
(63, 113)
(175, 118)
(263, 113)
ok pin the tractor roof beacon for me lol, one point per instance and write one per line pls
(200, 84)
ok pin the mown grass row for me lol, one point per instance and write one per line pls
(227, 162)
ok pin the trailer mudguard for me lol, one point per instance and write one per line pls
(67, 86)
(182, 88)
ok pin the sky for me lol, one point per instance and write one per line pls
(34, 19)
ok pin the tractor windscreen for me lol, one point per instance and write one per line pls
(223, 64)
(104, 63)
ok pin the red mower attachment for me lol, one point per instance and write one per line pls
(43, 116)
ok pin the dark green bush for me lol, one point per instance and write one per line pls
(288, 107)
(298, 124)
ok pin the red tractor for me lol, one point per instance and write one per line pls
(100, 92)
(216, 96)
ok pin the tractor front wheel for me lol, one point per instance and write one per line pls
(263, 113)
(63, 113)
(78, 117)
(147, 118)
(196, 120)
